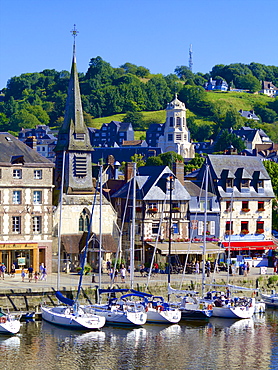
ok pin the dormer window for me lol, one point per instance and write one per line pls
(244, 183)
(229, 183)
(260, 183)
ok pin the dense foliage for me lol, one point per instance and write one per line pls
(39, 98)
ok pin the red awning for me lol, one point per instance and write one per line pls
(247, 246)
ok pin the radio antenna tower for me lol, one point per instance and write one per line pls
(190, 58)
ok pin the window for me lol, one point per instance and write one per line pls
(178, 121)
(175, 228)
(37, 174)
(244, 183)
(171, 122)
(16, 197)
(170, 137)
(211, 227)
(260, 227)
(228, 205)
(245, 206)
(43, 148)
(37, 224)
(244, 227)
(229, 183)
(37, 197)
(16, 224)
(229, 227)
(155, 228)
(178, 136)
(80, 136)
(17, 174)
(80, 166)
(260, 184)
(84, 221)
(0, 173)
(202, 205)
(200, 227)
(260, 206)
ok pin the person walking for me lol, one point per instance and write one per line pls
(123, 273)
(30, 273)
(22, 274)
(197, 267)
(44, 273)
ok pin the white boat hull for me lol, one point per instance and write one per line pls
(119, 317)
(233, 312)
(171, 316)
(270, 300)
(9, 325)
(61, 315)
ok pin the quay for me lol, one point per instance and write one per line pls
(18, 296)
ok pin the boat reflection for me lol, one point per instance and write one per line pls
(61, 333)
(231, 324)
(12, 342)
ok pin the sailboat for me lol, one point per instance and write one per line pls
(119, 311)
(71, 314)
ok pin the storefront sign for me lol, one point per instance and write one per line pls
(6, 246)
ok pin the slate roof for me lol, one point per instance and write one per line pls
(249, 114)
(151, 185)
(241, 167)
(12, 147)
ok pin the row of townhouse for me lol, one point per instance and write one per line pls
(238, 212)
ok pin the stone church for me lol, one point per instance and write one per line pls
(73, 167)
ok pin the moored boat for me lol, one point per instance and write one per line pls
(271, 300)
(9, 324)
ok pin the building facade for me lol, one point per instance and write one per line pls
(26, 205)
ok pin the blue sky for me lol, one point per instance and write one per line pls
(35, 34)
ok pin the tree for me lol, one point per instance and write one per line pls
(23, 119)
(272, 170)
(138, 159)
(248, 82)
(184, 73)
(136, 118)
(154, 161)
(227, 139)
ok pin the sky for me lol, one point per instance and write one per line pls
(35, 34)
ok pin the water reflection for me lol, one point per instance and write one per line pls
(217, 344)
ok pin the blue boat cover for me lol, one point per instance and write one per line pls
(101, 291)
(142, 294)
(64, 299)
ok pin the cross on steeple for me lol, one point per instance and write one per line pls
(74, 33)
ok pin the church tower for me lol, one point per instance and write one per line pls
(176, 134)
(74, 141)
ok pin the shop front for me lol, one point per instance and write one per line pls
(21, 255)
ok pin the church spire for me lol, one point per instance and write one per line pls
(74, 139)
(73, 134)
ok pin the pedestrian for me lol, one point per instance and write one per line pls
(108, 266)
(30, 273)
(36, 276)
(13, 270)
(41, 267)
(3, 269)
(112, 274)
(244, 268)
(43, 277)
(248, 267)
(22, 274)
(197, 267)
(208, 268)
(123, 273)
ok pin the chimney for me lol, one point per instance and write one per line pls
(178, 169)
(128, 171)
(31, 141)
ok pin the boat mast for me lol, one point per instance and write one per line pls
(100, 227)
(205, 231)
(132, 231)
(170, 234)
(230, 232)
(60, 221)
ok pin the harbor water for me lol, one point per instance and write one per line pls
(216, 344)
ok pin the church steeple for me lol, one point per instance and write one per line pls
(74, 138)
